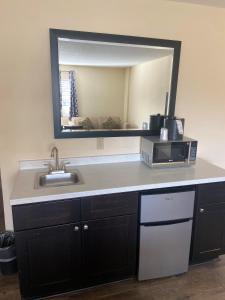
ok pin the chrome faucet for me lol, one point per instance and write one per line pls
(55, 154)
(58, 167)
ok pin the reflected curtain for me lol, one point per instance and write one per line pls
(73, 96)
(60, 89)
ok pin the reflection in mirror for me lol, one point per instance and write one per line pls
(112, 86)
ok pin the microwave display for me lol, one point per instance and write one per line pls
(170, 152)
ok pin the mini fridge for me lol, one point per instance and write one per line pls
(165, 233)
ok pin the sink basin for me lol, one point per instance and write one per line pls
(58, 179)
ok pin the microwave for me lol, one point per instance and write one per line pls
(156, 153)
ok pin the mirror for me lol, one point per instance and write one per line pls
(108, 85)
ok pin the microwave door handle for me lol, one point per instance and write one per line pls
(189, 153)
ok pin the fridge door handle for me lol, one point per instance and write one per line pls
(162, 223)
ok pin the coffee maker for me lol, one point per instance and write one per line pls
(175, 126)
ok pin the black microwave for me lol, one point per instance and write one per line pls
(155, 152)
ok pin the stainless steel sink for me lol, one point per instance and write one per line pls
(57, 179)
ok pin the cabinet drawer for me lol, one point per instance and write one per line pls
(109, 205)
(38, 215)
(211, 193)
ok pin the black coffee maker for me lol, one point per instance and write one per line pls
(174, 125)
(156, 123)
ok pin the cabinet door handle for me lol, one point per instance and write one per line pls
(76, 228)
(85, 227)
(202, 210)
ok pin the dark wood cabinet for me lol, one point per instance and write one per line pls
(76, 243)
(209, 232)
(109, 249)
(70, 244)
(208, 240)
(49, 259)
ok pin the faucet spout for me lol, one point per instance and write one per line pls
(55, 154)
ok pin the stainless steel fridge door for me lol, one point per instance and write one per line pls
(166, 207)
(164, 250)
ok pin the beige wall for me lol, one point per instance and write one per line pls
(100, 90)
(26, 126)
(148, 85)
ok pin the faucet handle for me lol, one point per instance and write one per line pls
(50, 167)
(63, 165)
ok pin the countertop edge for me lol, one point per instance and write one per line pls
(39, 199)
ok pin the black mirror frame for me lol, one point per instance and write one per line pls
(91, 36)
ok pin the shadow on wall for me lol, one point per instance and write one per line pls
(2, 220)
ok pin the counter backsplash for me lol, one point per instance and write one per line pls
(80, 161)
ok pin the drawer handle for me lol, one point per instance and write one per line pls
(76, 228)
(202, 210)
(85, 227)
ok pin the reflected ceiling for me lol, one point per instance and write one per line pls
(83, 53)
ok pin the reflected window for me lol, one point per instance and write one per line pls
(68, 94)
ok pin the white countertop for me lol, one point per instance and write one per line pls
(111, 178)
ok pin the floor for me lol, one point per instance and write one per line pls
(202, 282)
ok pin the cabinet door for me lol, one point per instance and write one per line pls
(109, 249)
(208, 237)
(49, 259)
